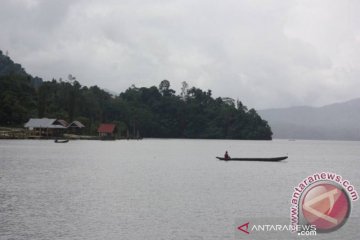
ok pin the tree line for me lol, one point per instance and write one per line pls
(155, 111)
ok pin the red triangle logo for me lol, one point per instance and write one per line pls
(244, 228)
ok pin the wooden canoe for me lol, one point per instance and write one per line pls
(61, 141)
(273, 159)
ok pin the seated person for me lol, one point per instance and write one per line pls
(226, 156)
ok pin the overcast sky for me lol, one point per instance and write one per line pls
(265, 53)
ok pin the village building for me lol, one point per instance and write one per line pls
(50, 127)
(75, 127)
(107, 131)
(45, 127)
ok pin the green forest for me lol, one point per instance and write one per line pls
(155, 111)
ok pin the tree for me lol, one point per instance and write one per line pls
(184, 90)
(164, 86)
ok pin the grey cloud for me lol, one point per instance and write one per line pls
(267, 54)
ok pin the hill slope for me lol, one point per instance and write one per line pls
(17, 93)
(339, 121)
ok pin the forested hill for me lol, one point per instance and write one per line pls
(8, 67)
(17, 95)
(153, 111)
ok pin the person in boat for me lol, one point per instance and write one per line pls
(226, 155)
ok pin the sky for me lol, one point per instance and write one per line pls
(267, 54)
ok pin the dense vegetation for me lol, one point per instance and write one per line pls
(17, 96)
(153, 111)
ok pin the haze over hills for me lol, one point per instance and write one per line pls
(338, 121)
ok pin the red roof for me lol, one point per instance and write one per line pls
(106, 128)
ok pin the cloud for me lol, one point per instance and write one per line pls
(266, 53)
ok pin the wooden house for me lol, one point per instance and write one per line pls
(75, 127)
(45, 127)
(107, 131)
(51, 127)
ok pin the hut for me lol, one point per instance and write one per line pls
(45, 127)
(75, 127)
(107, 131)
(51, 127)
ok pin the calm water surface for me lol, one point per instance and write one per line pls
(157, 189)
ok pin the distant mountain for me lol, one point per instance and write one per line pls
(111, 92)
(339, 121)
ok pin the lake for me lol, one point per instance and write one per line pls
(159, 188)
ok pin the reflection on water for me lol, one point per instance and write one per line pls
(155, 189)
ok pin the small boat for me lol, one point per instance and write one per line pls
(61, 141)
(274, 159)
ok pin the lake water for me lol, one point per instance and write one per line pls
(158, 189)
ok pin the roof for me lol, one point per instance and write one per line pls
(62, 122)
(106, 128)
(43, 123)
(76, 124)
